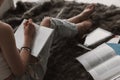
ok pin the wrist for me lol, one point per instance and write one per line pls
(28, 44)
(26, 48)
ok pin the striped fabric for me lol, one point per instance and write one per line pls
(4, 69)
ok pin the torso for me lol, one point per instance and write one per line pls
(5, 73)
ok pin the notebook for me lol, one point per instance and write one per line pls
(43, 39)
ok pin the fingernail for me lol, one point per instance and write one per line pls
(30, 20)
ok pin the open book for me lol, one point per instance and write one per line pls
(43, 39)
(103, 63)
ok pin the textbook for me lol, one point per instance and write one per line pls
(103, 62)
(42, 42)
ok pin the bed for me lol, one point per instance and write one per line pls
(62, 64)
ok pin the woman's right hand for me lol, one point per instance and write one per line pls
(29, 33)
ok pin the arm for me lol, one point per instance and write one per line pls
(16, 61)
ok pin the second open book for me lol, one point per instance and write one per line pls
(103, 62)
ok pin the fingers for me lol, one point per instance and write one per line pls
(28, 23)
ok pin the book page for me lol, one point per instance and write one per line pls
(97, 56)
(117, 77)
(106, 70)
(42, 36)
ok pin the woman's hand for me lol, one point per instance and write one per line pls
(29, 33)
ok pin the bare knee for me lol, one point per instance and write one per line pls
(46, 22)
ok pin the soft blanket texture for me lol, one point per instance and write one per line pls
(62, 64)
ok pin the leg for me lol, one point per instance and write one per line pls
(83, 27)
(45, 22)
(84, 15)
(76, 19)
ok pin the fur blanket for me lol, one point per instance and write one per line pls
(62, 64)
